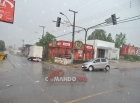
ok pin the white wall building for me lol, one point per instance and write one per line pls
(104, 49)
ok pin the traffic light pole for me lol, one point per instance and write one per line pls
(73, 34)
(86, 30)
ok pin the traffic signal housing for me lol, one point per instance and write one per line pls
(114, 20)
(58, 22)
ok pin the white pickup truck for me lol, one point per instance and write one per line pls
(35, 53)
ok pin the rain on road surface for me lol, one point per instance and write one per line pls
(23, 81)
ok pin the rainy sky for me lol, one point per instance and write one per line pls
(30, 14)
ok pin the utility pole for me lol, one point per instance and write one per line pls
(14, 46)
(73, 34)
(23, 42)
(43, 30)
(95, 45)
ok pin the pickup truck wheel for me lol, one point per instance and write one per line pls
(90, 68)
(107, 68)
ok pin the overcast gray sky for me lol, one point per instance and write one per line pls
(29, 14)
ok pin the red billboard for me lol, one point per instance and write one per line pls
(137, 51)
(7, 8)
(131, 50)
(125, 49)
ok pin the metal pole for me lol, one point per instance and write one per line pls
(14, 46)
(43, 30)
(94, 45)
(85, 44)
(23, 43)
(73, 35)
(86, 30)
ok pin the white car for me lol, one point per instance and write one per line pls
(98, 63)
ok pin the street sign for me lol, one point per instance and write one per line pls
(7, 8)
(109, 20)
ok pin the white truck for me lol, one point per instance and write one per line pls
(35, 53)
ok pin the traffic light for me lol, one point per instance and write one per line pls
(114, 20)
(58, 22)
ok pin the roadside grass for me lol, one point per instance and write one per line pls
(132, 58)
(50, 61)
(114, 59)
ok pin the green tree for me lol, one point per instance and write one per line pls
(120, 39)
(2, 45)
(109, 38)
(100, 34)
(44, 42)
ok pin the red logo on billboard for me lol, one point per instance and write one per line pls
(89, 47)
(66, 44)
(58, 43)
(7, 10)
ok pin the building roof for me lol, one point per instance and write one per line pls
(101, 47)
(28, 45)
(101, 43)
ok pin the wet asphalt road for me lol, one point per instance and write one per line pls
(28, 85)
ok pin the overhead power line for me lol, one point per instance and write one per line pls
(69, 33)
(83, 2)
(129, 18)
(104, 25)
(87, 6)
(121, 21)
(119, 8)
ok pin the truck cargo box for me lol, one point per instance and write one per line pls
(35, 53)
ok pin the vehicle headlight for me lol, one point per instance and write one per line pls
(84, 64)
